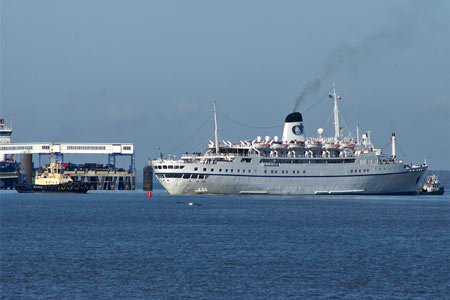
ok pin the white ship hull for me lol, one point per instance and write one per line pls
(288, 179)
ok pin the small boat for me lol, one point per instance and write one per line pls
(313, 145)
(295, 146)
(277, 146)
(347, 145)
(431, 187)
(53, 180)
(330, 147)
(261, 146)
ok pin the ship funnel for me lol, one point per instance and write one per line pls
(293, 128)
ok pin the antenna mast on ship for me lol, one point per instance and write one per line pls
(216, 133)
(336, 115)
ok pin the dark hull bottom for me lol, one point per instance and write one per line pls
(438, 192)
(60, 188)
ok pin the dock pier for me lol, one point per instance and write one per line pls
(104, 180)
(107, 177)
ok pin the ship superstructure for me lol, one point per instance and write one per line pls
(5, 132)
(292, 165)
(7, 164)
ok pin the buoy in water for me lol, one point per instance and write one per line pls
(149, 194)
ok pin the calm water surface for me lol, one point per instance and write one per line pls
(123, 245)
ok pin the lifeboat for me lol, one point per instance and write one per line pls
(278, 146)
(313, 145)
(296, 146)
(261, 146)
(346, 145)
(331, 147)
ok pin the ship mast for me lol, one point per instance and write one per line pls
(216, 133)
(336, 116)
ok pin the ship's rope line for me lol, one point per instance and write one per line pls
(194, 134)
(327, 124)
(246, 125)
(345, 123)
(385, 145)
(202, 144)
(325, 96)
(402, 152)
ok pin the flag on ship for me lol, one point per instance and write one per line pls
(331, 96)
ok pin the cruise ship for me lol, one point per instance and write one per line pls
(294, 165)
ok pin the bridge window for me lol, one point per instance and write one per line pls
(168, 175)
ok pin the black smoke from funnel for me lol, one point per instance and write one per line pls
(347, 57)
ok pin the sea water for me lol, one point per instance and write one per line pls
(124, 245)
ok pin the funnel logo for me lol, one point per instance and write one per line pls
(297, 129)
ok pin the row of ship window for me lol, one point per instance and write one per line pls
(185, 176)
(225, 170)
(169, 167)
(360, 171)
(238, 171)
(243, 171)
(201, 176)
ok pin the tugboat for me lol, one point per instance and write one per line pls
(53, 180)
(431, 187)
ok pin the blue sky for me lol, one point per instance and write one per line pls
(147, 72)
